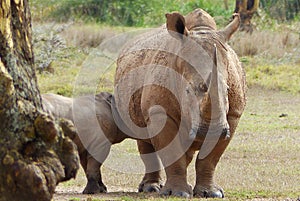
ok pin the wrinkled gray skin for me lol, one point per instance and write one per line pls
(62, 107)
(220, 96)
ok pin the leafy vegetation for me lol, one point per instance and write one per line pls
(147, 13)
(282, 10)
(125, 13)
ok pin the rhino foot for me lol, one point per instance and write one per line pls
(213, 192)
(150, 187)
(93, 187)
(184, 193)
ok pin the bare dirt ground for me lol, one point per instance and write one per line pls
(261, 163)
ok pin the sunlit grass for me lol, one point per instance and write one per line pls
(284, 77)
(63, 75)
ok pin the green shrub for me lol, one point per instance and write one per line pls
(281, 9)
(125, 12)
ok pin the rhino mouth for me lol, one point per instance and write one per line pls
(210, 130)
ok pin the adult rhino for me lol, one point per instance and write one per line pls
(181, 88)
(90, 136)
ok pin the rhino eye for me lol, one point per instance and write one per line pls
(203, 87)
(200, 89)
(227, 89)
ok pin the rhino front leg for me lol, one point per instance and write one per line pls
(174, 158)
(176, 183)
(205, 168)
(93, 174)
(152, 181)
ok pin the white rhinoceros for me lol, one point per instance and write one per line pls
(90, 137)
(181, 88)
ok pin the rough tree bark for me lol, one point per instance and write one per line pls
(246, 9)
(226, 4)
(35, 155)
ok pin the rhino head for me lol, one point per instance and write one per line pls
(199, 20)
(214, 104)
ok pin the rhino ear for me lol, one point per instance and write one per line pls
(176, 25)
(231, 28)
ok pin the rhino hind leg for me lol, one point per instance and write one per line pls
(151, 181)
(93, 174)
(93, 187)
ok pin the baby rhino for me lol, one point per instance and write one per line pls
(98, 106)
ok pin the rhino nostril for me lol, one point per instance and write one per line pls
(226, 133)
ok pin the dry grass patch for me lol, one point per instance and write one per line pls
(271, 58)
(87, 35)
(266, 43)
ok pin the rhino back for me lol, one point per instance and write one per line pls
(58, 106)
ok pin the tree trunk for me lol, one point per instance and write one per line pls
(226, 4)
(246, 9)
(34, 153)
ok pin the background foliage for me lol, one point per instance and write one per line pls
(145, 12)
(115, 12)
(282, 10)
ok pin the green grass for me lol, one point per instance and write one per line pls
(284, 77)
(69, 61)
(74, 199)
(63, 75)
